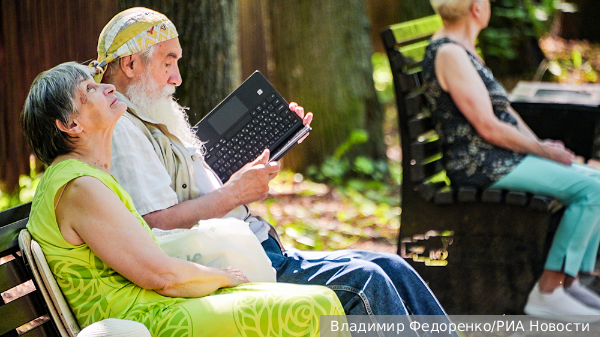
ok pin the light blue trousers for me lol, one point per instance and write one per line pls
(575, 245)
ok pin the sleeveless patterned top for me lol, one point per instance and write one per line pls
(95, 291)
(469, 159)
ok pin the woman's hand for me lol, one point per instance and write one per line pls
(236, 276)
(556, 150)
(102, 221)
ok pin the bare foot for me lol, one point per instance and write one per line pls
(551, 280)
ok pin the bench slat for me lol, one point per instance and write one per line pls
(44, 330)
(16, 213)
(427, 191)
(444, 196)
(9, 234)
(20, 311)
(409, 82)
(467, 194)
(517, 198)
(414, 52)
(418, 125)
(425, 149)
(408, 32)
(492, 195)
(420, 171)
(415, 103)
(12, 273)
(544, 203)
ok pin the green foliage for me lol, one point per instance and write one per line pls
(384, 84)
(571, 61)
(25, 192)
(513, 21)
(336, 169)
(382, 76)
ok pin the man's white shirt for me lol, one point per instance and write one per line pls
(140, 172)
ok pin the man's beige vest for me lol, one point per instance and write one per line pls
(177, 160)
(173, 155)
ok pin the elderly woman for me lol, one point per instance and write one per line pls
(486, 143)
(103, 254)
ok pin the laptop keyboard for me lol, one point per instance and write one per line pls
(262, 128)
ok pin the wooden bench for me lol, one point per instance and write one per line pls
(481, 251)
(22, 306)
(30, 305)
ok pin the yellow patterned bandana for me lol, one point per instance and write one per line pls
(131, 32)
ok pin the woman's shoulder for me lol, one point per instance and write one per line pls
(77, 172)
(77, 168)
(440, 42)
(447, 46)
(445, 50)
(451, 54)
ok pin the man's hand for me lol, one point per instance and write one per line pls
(251, 182)
(306, 119)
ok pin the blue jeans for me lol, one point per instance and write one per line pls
(366, 283)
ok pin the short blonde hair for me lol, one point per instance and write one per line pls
(452, 10)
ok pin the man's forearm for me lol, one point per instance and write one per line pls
(187, 213)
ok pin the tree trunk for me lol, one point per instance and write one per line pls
(322, 60)
(36, 35)
(208, 36)
(382, 13)
(252, 38)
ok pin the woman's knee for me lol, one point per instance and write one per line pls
(588, 192)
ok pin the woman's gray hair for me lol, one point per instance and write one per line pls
(452, 10)
(51, 98)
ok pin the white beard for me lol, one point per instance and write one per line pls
(161, 107)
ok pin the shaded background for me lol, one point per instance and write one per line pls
(223, 42)
(315, 52)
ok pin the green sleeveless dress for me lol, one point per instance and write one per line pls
(96, 292)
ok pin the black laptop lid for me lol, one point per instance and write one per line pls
(253, 117)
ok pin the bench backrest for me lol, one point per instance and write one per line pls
(35, 306)
(405, 44)
(423, 170)
(22, 309)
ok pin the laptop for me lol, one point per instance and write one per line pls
(252, 118)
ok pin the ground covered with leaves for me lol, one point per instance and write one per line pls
(316, 216)
(340, 205)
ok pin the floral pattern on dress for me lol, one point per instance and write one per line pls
(469, 159)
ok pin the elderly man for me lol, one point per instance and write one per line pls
(158, 160)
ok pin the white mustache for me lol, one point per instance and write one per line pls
(169, 90)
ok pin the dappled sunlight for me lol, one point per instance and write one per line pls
(316, 216)
(571, 61)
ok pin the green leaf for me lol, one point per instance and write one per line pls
(577, 59)
(364, 165)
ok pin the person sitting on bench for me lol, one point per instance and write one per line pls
(486, 143)
(103, 254)
(175, 187)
